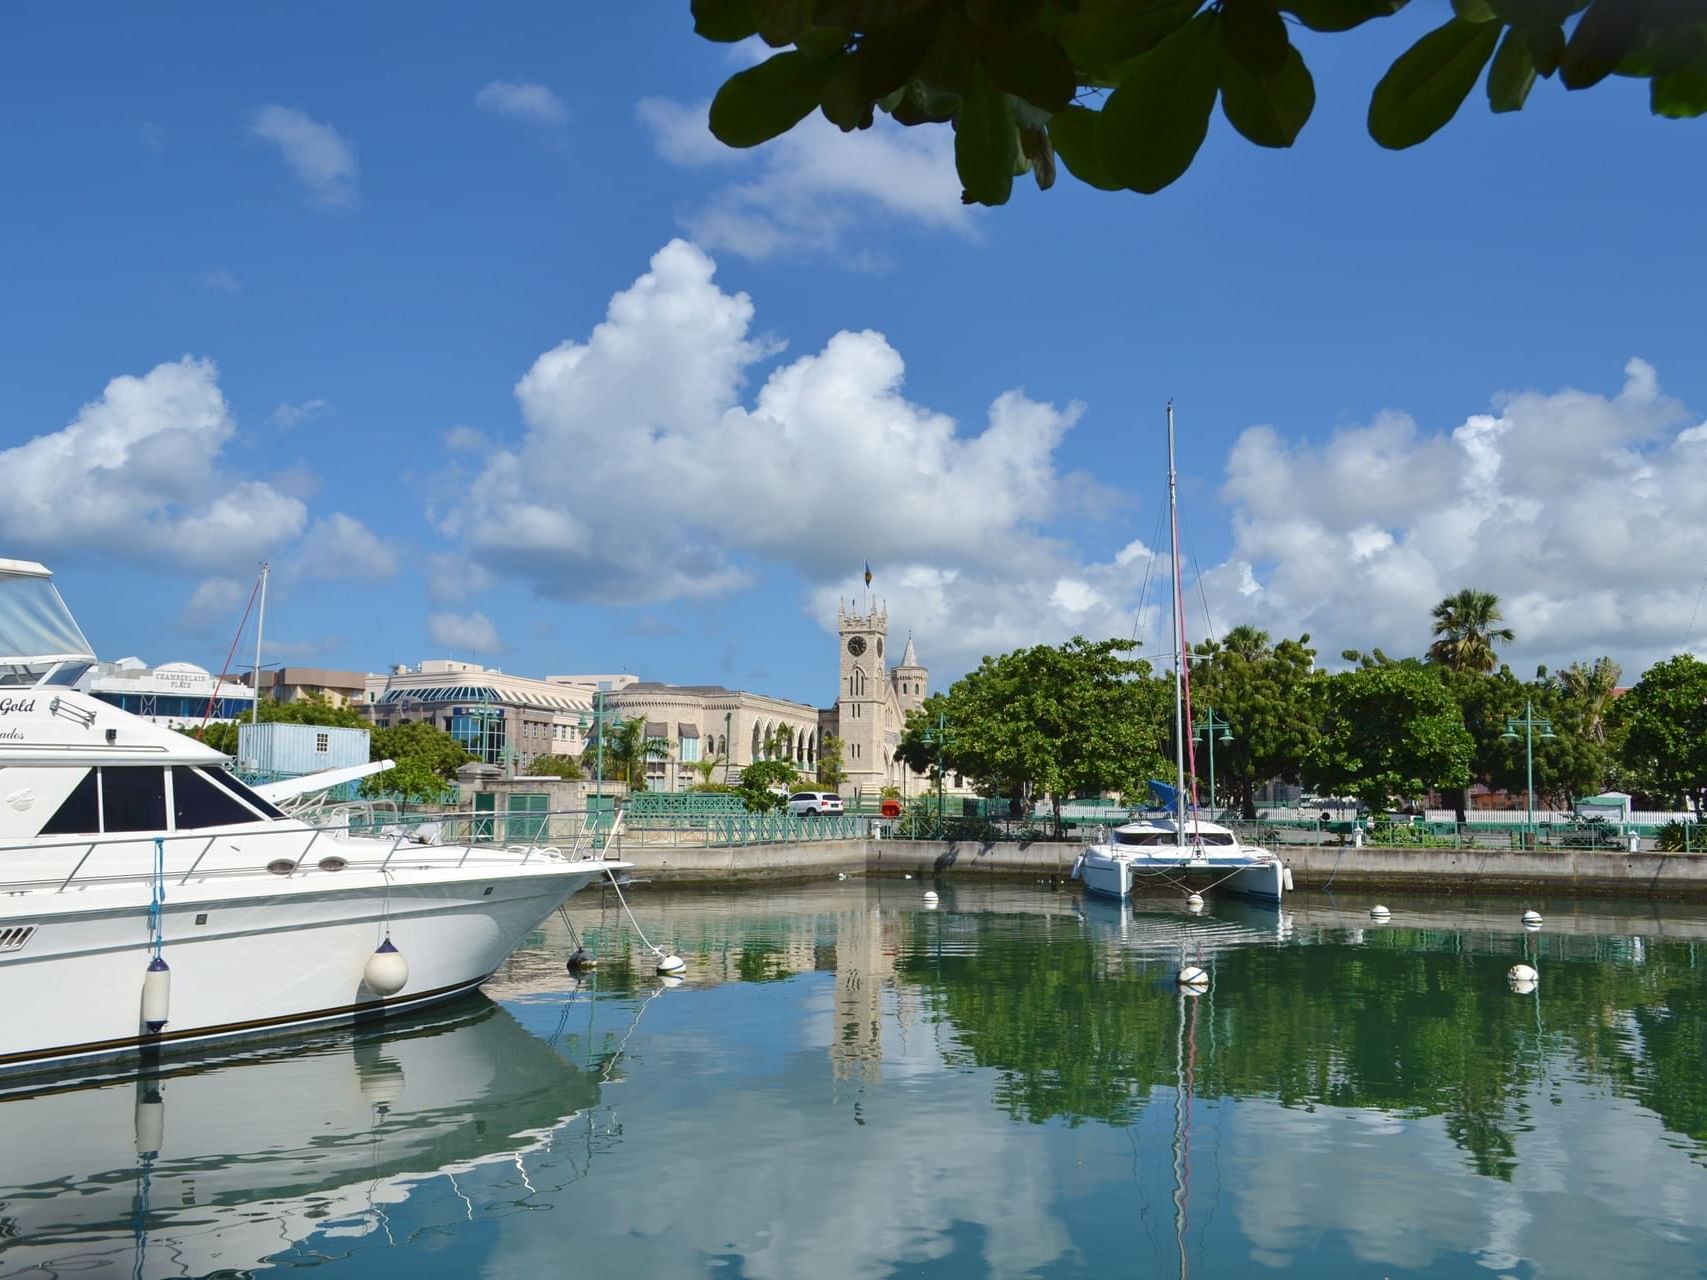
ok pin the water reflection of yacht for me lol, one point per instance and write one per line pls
(223, 1164)
(1165, 928)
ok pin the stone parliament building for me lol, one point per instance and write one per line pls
(709, 723)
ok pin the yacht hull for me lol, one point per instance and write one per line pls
(1115, 874)
(284, 955)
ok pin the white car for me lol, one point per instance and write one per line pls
(812, 803)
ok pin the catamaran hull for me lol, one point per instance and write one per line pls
(255, 964)
(1115, 877)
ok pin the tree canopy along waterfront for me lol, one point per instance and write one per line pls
(1120, 92)
(1090, 718)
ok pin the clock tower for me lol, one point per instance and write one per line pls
(862, 696)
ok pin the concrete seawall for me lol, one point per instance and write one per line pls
(1572, 871)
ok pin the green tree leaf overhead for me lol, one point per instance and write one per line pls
(1032, 72)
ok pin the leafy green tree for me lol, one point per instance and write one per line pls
(1466, 628)
(1121, 91)
(706, 769)
(556, 766)
(1664, 724)
(427, 759)
(1268, 695)
(1079, 718)
(1590, 687)
(832, 771)
(1389, 732)
(759, 783)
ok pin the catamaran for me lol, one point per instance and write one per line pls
(149, 899)
(1179, 847)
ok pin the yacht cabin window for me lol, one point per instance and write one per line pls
(80, 814)
(133, 799)
(198, 802)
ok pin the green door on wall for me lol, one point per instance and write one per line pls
(484, 803)
(526, 821)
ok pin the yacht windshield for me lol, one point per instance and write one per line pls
(36, 629)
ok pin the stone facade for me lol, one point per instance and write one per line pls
(873, 700)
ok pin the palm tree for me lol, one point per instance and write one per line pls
(1590, 686)
(628, 751)
(1466, 625)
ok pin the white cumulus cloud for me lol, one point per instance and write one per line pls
(645, 474)
(137, 473)
(1584, 512)
(464, 632)
(522, 100)
(339, 546)
(808, 189)
(320, 157)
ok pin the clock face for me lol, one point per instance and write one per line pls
(856, 646)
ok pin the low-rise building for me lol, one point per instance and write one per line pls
(179, 695)
(500, 719)
(289, 684)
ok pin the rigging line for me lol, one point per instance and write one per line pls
(225, 670)
(1202, 595)
(1149, 574)
(1694, 614)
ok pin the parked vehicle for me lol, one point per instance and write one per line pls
(812, 803)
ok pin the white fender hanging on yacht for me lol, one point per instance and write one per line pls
(1286, 877)
(386, 970)
(156, 995)
(1078, 866)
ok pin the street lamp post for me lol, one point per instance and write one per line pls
(727, 717)
(1204, 731)
(1530, 723)
(597, 725)
(941, 736)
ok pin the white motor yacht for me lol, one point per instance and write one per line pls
(148, 898)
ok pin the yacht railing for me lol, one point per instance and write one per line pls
(389, 841)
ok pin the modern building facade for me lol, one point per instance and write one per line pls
(289, 684)
(179, 695)
(500, 719)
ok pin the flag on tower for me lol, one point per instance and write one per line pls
(868, 573)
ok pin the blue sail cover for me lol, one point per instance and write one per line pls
(1164, 794)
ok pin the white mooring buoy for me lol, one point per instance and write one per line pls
(1523, 973)
(671, 963)
(386, 971)
(156, 995)
(1379, 912)
(931, 899)
(1531, 919)
(1194, 901)
(1192, 976)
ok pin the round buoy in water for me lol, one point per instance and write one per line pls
(930, 898)
(156, 995)
(579, 960)
(1527, 987)
(672, 963)
(1194, 900)
(1192, 976)
(1532, 919)
(1523, 973)
(386, 971)
(1379, 912)
(670, 979)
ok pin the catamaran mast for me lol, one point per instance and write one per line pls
(1179, 645)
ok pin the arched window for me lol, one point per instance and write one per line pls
(758, 741)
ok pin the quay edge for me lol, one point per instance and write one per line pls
(1567, 871)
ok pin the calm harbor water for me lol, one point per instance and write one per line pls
(853, 1082)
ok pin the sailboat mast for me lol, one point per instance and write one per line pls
(260, 621)
(1179, 644)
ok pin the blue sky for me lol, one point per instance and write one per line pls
(334, 256)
